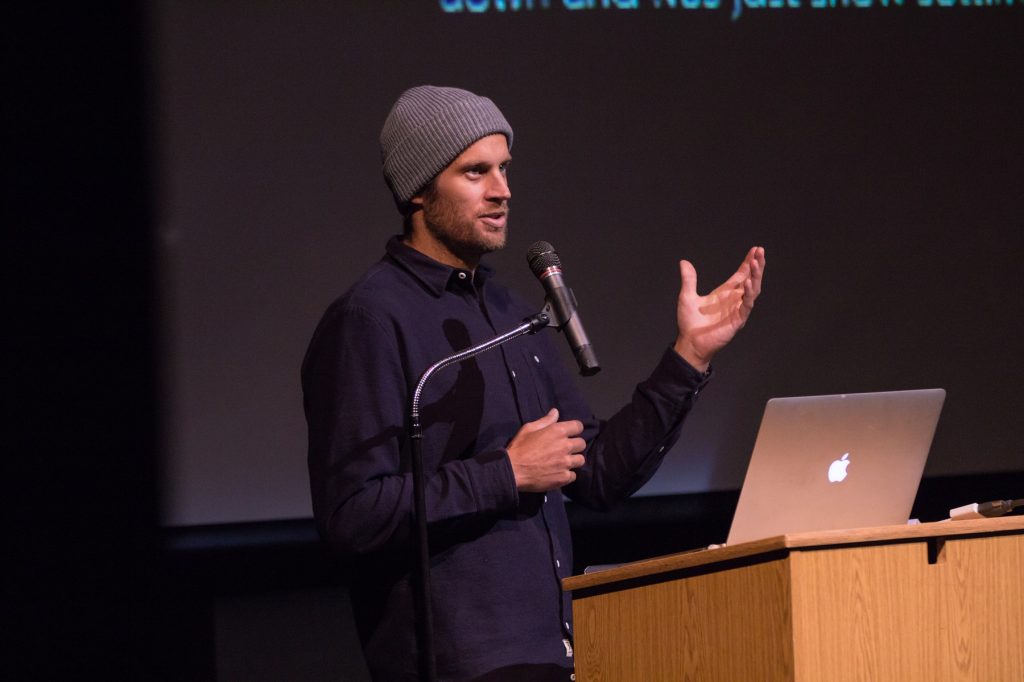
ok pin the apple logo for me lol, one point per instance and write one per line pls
(837, 470)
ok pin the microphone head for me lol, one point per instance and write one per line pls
(541, 256)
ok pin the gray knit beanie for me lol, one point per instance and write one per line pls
(427, 128)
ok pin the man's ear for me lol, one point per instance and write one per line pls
(418, 199)
(414, 206)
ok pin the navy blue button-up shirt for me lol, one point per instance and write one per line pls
(497, 555)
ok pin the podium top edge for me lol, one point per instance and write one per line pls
(768, 547)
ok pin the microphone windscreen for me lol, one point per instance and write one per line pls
(541, 256)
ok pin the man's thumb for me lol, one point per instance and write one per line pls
(547, 420)
(688, 276)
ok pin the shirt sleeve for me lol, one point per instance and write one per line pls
(624, 451)
(355, 397)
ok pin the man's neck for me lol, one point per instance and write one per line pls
(429, 246)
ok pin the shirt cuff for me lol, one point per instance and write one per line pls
(495, 484)
(677, 376)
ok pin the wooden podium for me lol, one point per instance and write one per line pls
(930, 602)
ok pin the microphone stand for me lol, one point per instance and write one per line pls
(424, 620)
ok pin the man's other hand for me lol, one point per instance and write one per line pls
(544, 453)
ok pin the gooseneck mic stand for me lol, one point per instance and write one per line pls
(424, 615)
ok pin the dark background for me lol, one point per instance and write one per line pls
(168, 166)
(876, 154)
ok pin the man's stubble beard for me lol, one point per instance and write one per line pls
(444, 222)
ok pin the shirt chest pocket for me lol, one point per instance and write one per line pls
(535, 385)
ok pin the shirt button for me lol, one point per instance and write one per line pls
(566, 626)
(661, 449)
(558, 564)
(545, 498)
(462, 275)
(536, 359)
(513, 374)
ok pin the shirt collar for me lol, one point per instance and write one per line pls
(435, 276)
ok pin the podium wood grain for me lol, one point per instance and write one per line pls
(931, 602)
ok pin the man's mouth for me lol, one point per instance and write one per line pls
(495, 219)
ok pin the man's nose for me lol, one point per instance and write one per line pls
(498, 189)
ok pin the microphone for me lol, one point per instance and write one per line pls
(561, 306)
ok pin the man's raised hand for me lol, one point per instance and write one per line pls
(708, 323)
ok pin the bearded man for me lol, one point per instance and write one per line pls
(505, 435)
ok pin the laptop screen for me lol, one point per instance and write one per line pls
(836, 461)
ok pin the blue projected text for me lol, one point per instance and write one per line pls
(738, 6)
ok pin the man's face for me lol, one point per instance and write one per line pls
(465, 208)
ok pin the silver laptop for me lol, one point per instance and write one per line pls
(836, 461)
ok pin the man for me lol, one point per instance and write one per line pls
(504, 434)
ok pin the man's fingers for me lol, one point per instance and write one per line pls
(742, 272)
(757, 269)
(750, 269)
(576, 461)
(573, 427)
(752, 287)
(748, 295)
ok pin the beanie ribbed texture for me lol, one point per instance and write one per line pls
(427, 128)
